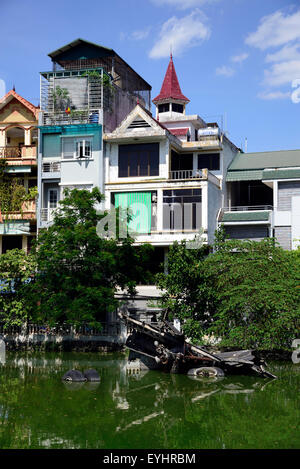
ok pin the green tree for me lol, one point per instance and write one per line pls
(256, 299)
(184, 292)
(78, 271)
(244, 292)
(17, 270)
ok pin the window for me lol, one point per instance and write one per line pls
(52, 198)
(139, 160)
(211, 161)
(182, 209)
(177, 108)
(83, 149)
(181, 161)
(164, 107)
(76, 148)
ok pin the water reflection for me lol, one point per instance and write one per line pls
(145, 410)
(2, 351)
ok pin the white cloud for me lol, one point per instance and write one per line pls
(272, 95)
(225, 71)
(2, 88)
(281, 32)
(239, 58)
(275, 30)
(282, 73)
(183, 4)
(180, 34)
(141, 34)
(287, 53)
(138, 35)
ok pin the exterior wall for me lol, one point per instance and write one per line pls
(253, 232)
(286, 190)
(287, 213)
(17, 122)
(112, 160)
(72, 172)
(214, 203)
(283, 234)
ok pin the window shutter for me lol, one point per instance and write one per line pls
(68, 148)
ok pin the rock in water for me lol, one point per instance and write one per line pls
(91, 375)
(74, 375)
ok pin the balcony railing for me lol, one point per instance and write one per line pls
(51, 167)
(10, 152)
(28, 212)
(186, 174)
(47, 214)
(78, 117)
(26, 151)
(246, 208)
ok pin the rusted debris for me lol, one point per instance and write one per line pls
(163, 347)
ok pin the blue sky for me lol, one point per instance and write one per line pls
(234, 58)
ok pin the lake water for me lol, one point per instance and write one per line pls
(151, 410)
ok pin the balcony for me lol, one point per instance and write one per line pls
(204, 142)
(47, 214)
(260, 214)
(78, 117)
(51, 168)
(186, 174)
(25, 154)
(28, 212)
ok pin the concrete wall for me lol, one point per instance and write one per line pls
(286, 190)
(112, 161)
(252, 232)
(283, 234)
(214, 203)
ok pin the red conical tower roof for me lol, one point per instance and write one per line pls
(170, 87)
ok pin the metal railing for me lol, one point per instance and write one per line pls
(47, 214)
(78, 117)
(10, 152)
(107, 329)
(52, 167)
(186, 174)
(247, 208)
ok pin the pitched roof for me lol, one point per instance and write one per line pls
(12, 94)
(179, 132)
(170, 87)
(263, 160)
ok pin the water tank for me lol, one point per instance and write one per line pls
(209, 131)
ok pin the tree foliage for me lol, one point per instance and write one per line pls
(17, 270)
(78, 271)
(244, 292)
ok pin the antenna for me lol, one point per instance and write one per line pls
(246, 145)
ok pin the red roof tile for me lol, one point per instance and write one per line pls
(170, 87)
(30, 106)
(179, 132)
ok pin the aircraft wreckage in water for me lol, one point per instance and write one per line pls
(163, 347)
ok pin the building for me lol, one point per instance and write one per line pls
(178, 175)
(169, 170)
(18, 159)
(90, 89)
(264, 197)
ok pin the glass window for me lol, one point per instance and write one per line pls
(211, 161)
(182, 209)
(83, 149)
(164, 107)
(53, 198)
(139, 160)
(177, 108)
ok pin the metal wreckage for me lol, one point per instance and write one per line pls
(163, 347)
